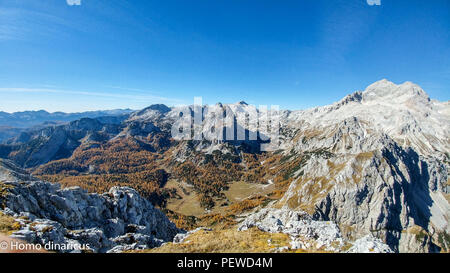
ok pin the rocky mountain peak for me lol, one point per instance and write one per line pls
(387, 91)
(354, 97)
(85, 124)
(242, 102)
(158, 107)
(152, 112)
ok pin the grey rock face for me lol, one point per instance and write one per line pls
(377, 163)
(304, 231)
(382, 191)
(120, 218)
(369, 244)
(310, 234)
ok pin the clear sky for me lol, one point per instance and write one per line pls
(106, 54)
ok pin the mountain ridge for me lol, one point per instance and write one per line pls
(12, 124)
(375, 162)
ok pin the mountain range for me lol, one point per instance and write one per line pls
(11, 124)
(374, 164)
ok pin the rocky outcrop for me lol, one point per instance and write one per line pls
(376, 186)
(307, 233)
(114, 221)
(304, 231)
(369, 244)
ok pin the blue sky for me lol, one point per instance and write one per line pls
(106, 54)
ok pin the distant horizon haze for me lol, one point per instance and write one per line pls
(175, 105)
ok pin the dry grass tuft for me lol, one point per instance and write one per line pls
(227, 241)
(8, 224)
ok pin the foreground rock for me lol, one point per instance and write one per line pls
(307, 233)
(369, 244)
(69, 218)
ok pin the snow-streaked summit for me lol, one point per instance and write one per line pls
(404, 112)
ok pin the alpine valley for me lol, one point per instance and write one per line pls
(369, 173)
